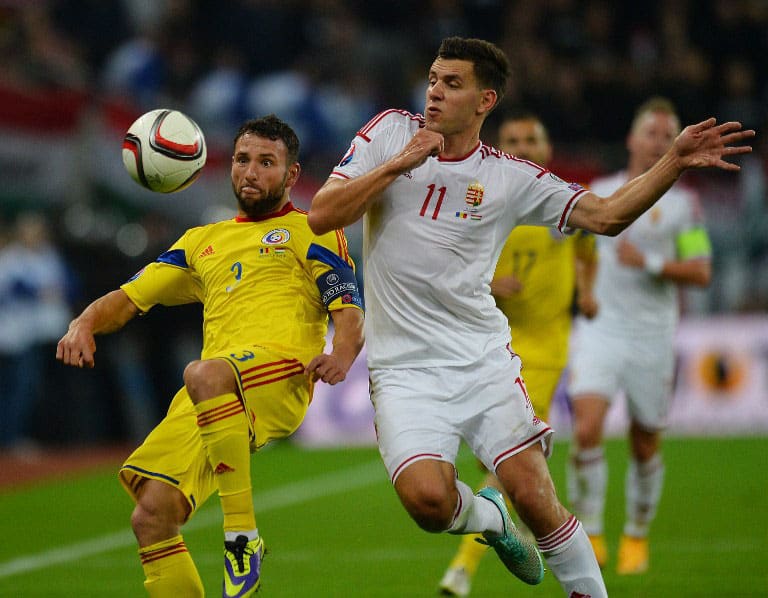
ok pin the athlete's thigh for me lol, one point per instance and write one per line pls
(173, 454)
(275, 389)
(413, 417)
(649, 384)
(502, 422)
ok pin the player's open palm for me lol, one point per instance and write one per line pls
(707, 144)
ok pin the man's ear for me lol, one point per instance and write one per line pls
(294, 170)
(488, 100)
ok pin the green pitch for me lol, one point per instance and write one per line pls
(333, 527)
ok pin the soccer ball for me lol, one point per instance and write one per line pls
(164, 150)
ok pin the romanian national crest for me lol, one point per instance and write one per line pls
(277, 236)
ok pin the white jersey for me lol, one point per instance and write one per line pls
(432, 240)
(632, 301)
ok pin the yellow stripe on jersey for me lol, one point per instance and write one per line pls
(255, 278)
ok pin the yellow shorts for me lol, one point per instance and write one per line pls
(541, 385)
(276, 393)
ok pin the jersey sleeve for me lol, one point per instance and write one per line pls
(166, 281)
(334, 271)
(380, 139)
(543, 198)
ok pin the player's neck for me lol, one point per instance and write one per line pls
(459, 145)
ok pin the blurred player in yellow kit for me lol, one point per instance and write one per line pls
(534, 284)
(267, 285)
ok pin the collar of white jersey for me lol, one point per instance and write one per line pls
(462, 158)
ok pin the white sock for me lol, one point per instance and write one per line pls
(643, 490)
(587, 473)
(475, 514)
(252, 534)
(570, 557)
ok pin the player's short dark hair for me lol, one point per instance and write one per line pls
(490, 63)
(524, 115)
(273, 128)
(517, 114)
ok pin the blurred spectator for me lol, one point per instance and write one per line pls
(326, 66)
(34, 312)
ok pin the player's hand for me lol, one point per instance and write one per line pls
(587, 304)
(629, 255)
(76, 348)
(505, 286)
(707, 144)
(327, 368)
(423, 144)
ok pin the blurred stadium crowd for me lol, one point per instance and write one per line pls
(75, 73)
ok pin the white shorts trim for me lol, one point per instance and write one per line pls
(425, 413)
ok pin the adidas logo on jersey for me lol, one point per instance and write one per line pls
(223, 468)
(207, 251)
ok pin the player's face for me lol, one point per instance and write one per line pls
(454, 97)
(525, 139)
(261, 176)
(650, 138)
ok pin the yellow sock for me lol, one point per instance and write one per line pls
(224, 431)
(469, 554)
(170, 571)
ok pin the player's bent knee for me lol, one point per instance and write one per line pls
(208, 378)
(431, 511)
(159, 513)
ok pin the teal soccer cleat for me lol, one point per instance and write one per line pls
(242, 567)
(517, 552)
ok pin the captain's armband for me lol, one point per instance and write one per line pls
(339, 283)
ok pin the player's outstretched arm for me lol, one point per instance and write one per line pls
(107, 314)
(704, 145)
(341, 202)
(347, 342)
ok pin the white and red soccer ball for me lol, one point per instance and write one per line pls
(164, 150)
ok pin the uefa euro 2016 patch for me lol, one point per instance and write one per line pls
(339, 282)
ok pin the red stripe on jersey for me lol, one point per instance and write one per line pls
(464, 157)
(376, 119)
(522, 445)
(542, 170)
(342, 242)
(281, 212)
(340, 174)
(567, 209)
(410, 460)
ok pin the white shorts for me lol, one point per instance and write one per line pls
(643, 368)
(424, 413)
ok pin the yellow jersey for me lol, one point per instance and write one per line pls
(268, 282)
(539, 314)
